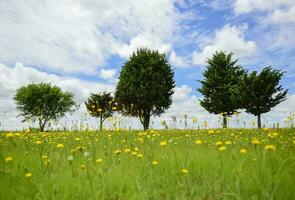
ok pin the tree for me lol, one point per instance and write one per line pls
(101, 105)
(261, 92)
(221, 78)
(145, 86)
(43, 102)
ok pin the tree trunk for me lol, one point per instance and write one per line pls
(224, 121)
(41, 126)
(146, 122)
(100, 123)
(259, 121)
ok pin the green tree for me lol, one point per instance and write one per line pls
(43, 102)
(145, 86)
(101, 105)
(261, 92)
(221, 78)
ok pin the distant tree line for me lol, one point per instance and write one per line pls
(146, 85)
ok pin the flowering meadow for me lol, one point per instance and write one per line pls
(154, 164)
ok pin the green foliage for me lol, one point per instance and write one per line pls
(261, 92)
(101, 105)
(145, 85)
(221, 78)
(43, 102)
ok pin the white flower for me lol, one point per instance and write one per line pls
(70, 158)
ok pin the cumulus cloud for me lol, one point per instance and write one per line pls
(77, 36)
(12, 78)
(229, 38)
(107, 73)
(177, 60)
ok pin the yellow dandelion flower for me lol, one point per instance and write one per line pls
(38, 142)
(184, 171)
(222, 148)
(8, 135)
(198, 142)
(155, 162)
(243, 151)
(218, 143)
(270, 147)
(133, 153)
(139, 155)
(29, 174)
(8, 159)
(163, 143)
(60, 146)
(77, 139)
(117, 151)
(83, 167)
(255, 141)
(228, 142)
(99, 160)
(127, 150)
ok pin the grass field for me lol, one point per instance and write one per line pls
(170, 164)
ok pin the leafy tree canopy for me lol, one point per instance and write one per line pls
(221, 78)
(145, 86)
(101, 105)
(43, 102)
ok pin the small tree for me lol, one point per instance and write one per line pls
(261, 92)
(43, 102)
(101, 105)
(220, 79)
(145, 86)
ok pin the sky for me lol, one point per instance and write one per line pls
(81, 45)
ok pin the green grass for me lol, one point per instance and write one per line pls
(212, 174)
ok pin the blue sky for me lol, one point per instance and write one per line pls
(81, 45)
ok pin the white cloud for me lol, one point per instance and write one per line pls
(229, 38)
(107, 73)
(246, 6)
(78, 36)
(12, 78)
(177, 60)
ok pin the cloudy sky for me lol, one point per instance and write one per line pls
(80, 45)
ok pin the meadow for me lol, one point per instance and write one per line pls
(154, 164)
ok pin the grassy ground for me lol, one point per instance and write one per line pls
(172, 164)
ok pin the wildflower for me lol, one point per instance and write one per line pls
(60, 146)
(198, 142)
(38, 142)
(29, 174)
(86, 154)
(134, 153)
(270, 147)
(293, 141)
(211, 132)
(255, 141)
(136, 149)
(139, 155)
(44, 157)
(8, 159)
(163, 143)
(83, 167)
(243, 151)
(117, 151)
(77, 139)
(184, 171)
(98, 160)
(228, 142)
(218, 143)
(127, 150)
(155, 162)
(222, 148)
(8, 135)
(70, 158)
